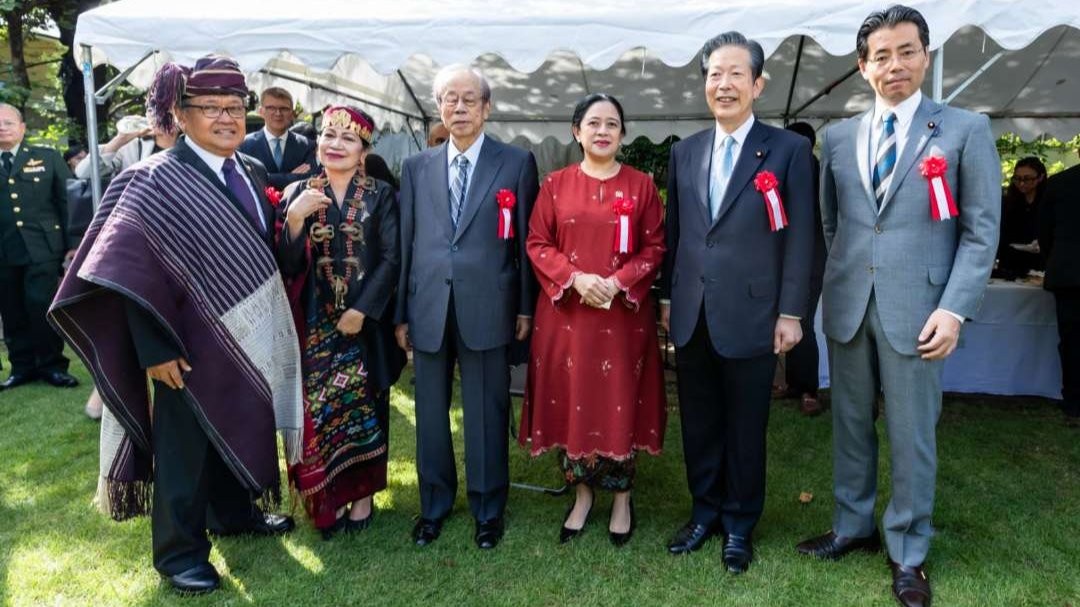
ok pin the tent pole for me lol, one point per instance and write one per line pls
(794, 77)
(91, 125)
(939, 76)
(103, 94)
(978, 72)
(825, 91)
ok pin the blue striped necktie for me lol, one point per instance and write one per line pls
(279, 154)
(885, 158)
(458, 188)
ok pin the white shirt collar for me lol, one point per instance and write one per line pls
(270, 137)
(212, 160)
(472, 154)
(905, 110)
(14, 151)
(739, 135)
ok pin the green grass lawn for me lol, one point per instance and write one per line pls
(1007, 516)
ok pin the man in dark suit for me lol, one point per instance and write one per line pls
(734, 290)
(287, 156)
(1059, 241)
(33, 243)
(465, 293)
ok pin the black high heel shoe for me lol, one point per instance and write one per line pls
(619, 539)
(338, 526)
(566, 534)
(356, 525)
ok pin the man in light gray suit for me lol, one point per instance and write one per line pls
(905, 268)
(466, 290)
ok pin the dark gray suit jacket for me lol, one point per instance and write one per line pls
(744, 274)
(492, 279)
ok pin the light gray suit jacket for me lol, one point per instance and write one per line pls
(911, 263)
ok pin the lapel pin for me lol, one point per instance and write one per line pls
(931, 124)
(759, 154)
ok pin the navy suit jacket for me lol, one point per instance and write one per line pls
(743, 274)
(492, 278)
(298, 150)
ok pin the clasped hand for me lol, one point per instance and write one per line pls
(308, 202)
(595, 291)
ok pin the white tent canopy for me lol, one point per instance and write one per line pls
(542, 56)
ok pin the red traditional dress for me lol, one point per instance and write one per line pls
(595, 382)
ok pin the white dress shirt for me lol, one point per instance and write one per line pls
(472, 155)
(216, 163)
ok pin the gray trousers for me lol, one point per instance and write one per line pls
(861, 369)
(485, 396)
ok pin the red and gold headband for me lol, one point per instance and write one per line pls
(343, 117)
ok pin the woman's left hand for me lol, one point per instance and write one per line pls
(351, 322)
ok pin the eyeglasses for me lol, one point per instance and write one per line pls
(906, 57)
(277, 109)
(1024, 179)
(214, 111)
(451, 100)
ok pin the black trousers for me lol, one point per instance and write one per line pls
(485, 395)
(724, 406)
(801, 370)
(25, 295)
(193, 488)
(1068, 320)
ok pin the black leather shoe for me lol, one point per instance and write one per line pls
(17, 379)
(831, 546)
(619, 539)
(488, 533)
(60, 379)
(426, 531)
(200, 579)
(738, 552)
(910, 585)
(690, 538)
(272, 524)
(566, 533)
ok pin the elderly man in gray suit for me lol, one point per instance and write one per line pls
(910, 200)
(466, 290)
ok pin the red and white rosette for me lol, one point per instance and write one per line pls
(506, 200)
(273, 196)
(624, 236)
(766, 183)
(942, 204)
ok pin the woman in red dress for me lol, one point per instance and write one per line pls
(595, 386)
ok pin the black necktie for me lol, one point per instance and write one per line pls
(6, 158)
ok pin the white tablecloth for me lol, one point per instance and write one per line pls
(1010, 348)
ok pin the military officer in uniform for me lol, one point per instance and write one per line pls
(33, 243)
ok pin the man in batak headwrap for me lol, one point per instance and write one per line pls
(176, 276)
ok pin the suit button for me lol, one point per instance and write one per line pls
(16, 209)
(11, 181)
(702, 279)
(871, 268)
(56, 227)
(448, 281)
(710, 244)
(18, 224)
(14, 196)
(877, 229)
(454, 248)
(37, 179)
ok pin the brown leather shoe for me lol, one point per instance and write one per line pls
(831, 546)
(910, 585)
(810, 405)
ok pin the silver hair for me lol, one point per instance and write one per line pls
(445, 74)
(8, 106)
